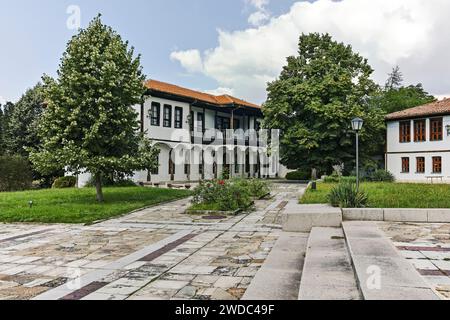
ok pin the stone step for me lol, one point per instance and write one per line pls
(382, 273)
(279, 277)
(303, 217)
(328, 273)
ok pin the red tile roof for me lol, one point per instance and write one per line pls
(222, 100)
(437, 108)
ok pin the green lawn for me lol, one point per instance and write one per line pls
(79, 205)
(391, 195)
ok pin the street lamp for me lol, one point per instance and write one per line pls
(357, 125)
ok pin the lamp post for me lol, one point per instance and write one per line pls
(357, 125)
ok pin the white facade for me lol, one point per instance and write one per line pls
(196, 160)
(416, 152)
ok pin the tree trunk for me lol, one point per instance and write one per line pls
(98, 187)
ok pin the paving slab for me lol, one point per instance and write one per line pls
(328, 273)
(382, 273)
(279, 277)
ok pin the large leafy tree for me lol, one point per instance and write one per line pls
(5, 116)
(396, 97)
(314, 100)
(22, 131)
(89, 124)
(2, 141)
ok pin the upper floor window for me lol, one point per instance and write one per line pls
(178, 118)
(420, 130)
(405, 165)
(167, 121)
(236, 124)
(405, 131)
(420, 164)
(436, 127)
(155, 114)
(437, 165)
(200, 122)
(222, 123)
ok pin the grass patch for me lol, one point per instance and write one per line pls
(391, 195)
(79, 205)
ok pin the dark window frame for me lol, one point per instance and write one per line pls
(437, 165)
(155, 119)
(405, 131)
(223, 123)
(420, 165)
(178, 118)
(405, 165)
(436, 129)
(167, 117)
(420, 130)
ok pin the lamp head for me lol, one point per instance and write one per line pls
(357, 124)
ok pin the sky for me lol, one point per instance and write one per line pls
(232, 46)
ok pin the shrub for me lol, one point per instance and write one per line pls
(15, 174)
(346, 195)
(381, 176)
(301, 174)
(257, 188)
(111, 182)
(64, 182)
(226, 195)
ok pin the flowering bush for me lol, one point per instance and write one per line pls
(229, 195)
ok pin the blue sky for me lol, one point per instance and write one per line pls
(34, 34)
(231, 46)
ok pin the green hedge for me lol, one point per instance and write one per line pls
(15, 174)
(299, 175)
(65, 182)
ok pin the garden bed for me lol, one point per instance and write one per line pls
(227, 197)
(390, 195)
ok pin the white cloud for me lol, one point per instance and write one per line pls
(261, 14)
(410, 33)
(258, 18)
(220, 91)
(2, 100)
(191, 60)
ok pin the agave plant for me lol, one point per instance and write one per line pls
(347, 195)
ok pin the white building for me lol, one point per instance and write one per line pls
(418, 143)
(181, 121)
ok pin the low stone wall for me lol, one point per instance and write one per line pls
(397, 215)
(303, 217)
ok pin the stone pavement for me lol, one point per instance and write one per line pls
(427, 248)
(156, 253)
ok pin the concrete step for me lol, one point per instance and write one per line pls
(279, 277)
(382, 273)
(328, 273)
(303, 217)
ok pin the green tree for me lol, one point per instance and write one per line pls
(395, 79)
(89, 124)
(2, 143)
(5, 116)
(22, 131)
(315, 98)
(396, 97)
